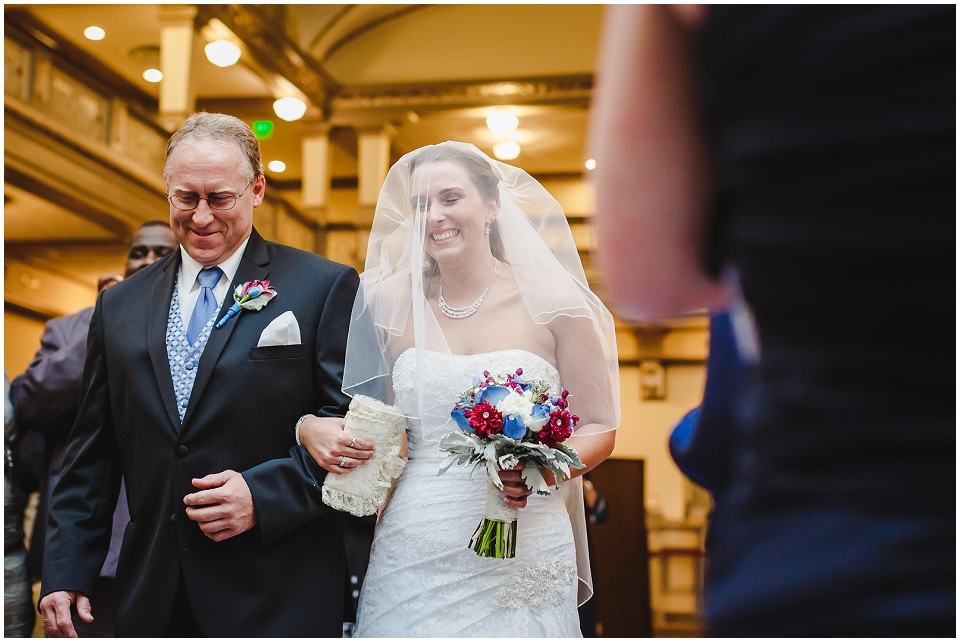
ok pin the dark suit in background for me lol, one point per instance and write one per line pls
(285, 575)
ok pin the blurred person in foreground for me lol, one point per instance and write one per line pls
(197, 408)
(807, 153)
(46, 397)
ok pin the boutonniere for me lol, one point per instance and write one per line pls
(252, 295)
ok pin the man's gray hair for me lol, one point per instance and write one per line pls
(220, 128)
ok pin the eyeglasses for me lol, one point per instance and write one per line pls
(188, 201)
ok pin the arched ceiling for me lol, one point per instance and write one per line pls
(443, 43)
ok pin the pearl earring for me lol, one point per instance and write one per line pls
(487, 231)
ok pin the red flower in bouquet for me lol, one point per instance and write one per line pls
(558, 428)
(485, 420)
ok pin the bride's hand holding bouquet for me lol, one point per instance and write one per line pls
(510, 425)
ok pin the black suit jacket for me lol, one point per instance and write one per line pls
(283, 577)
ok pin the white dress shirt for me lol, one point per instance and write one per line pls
(189, 290)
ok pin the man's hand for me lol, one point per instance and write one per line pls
(55, 609)
(224, 506)
(324, 439)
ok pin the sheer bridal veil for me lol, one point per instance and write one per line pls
(394, 308)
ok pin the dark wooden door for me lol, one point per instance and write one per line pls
(621, 573)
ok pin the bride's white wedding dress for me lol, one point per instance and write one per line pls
(423, 579)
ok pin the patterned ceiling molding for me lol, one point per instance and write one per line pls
(376, 104)
(574, 89)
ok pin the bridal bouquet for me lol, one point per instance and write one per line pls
(503, 421)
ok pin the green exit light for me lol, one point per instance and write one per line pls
(263, 129)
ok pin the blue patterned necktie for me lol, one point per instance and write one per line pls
(206, 304)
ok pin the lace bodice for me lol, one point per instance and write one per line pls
(446, 376)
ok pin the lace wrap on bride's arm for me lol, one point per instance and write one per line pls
(363, 490)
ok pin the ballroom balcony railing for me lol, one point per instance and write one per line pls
(38, 79)
(70, 112)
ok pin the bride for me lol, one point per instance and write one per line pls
(471, 266)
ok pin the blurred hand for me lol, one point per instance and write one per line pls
(589, 493)
(107, 280)
(324, 439)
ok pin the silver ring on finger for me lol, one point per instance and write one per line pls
(352, 442)
(343, 460)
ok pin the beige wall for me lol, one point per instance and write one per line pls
(645, 428)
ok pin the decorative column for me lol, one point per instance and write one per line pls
(373, 162)
(315, 181)
(177, 97)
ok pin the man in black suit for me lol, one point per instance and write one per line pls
(228, 534)
(45, 399)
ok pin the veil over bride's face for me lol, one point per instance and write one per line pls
(456, 214)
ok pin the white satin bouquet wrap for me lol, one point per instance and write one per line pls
(363, 490)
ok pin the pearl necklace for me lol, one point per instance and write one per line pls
(464, 312)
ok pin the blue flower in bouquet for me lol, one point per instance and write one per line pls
(539, 417)
(513, 427)
(516, 408)
(493, 395)
(460, 416)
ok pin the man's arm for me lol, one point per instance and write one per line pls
(654, 183)
(47, 394)
(82, 506)
(284, 493)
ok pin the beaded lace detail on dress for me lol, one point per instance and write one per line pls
(538, 585)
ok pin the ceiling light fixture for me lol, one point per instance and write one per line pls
(94, 33)
(590, 164)
(276, 166)
(153, 75)
(289, 108)
(502, 122)
(222, 53)
(507, 150)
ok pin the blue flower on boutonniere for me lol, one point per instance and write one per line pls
(252, 295)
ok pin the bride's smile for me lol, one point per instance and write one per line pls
(443, 236)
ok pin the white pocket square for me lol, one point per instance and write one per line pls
(282, 331)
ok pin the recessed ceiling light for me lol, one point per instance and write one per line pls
(222, 53)
(507, 150)
(153, 75)
(590, 164)
(276, 166)
(502, 122)
(289, 108)
(94, 33)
